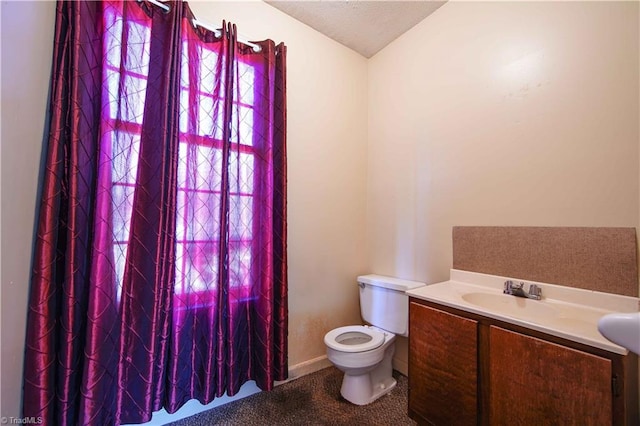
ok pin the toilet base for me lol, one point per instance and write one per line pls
(353, 386)
(365, 388)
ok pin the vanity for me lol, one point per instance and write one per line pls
(478, 356)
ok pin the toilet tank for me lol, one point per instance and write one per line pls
(383, 302)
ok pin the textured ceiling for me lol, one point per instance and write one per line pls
(364, 26)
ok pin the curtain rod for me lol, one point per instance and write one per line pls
(241, 39)
(157, 3)
(197, 23)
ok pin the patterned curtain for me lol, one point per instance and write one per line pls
(160, 269)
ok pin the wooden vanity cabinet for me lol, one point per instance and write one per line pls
(466, 369)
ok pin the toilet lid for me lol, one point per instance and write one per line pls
(354, 338)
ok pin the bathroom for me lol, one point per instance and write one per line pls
(485, 113)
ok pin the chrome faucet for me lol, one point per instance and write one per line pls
(517, 289)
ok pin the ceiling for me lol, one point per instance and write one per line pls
(364, 26)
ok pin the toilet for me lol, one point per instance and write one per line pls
(364, 352)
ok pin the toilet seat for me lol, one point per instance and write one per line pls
(354, 338)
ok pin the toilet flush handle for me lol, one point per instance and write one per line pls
(361, 285)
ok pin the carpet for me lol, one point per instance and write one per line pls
(313, 399)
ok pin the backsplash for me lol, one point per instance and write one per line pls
(601, 259)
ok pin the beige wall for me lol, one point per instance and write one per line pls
(500, 113)
(327, 113)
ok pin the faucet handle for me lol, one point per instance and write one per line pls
(536, 291)
(507, 287)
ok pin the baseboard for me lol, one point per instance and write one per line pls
(307, 367)
(401, 365)
(316, 364)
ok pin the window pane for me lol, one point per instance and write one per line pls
(208, 66)
(184, 69)
(205, 116)
(203, 215)
(182, 164)
(240, 266)
(112, 37)
(196, 267)
(132, 99)
(210, 117)
(206, 167)
(246, 125)
(241, 173)
(181, 215)
(233, 172)
(122, 203)
(246, 80)
(242, 119)
(138, 48)
(180, 269)
(246, 173)
(112, 84)
(199, 167)
(125, 151)
(184, 111)
(234, 124)
(126, 103)
(240, 217)
(119, 257)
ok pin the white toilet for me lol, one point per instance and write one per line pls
(363, 352)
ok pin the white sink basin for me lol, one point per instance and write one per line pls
(518, 307)
(622, 329)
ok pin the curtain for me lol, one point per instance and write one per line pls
(160, 266)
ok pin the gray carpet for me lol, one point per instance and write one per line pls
(310, 400)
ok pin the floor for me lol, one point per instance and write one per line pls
(310, 400)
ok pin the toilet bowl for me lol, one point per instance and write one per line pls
(365, 353)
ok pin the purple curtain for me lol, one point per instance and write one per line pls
(160, 269)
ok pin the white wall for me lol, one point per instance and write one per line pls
(501, 113)
(327, 128)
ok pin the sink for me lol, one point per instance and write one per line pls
(565, 312)
(622, 329)
(518, 307)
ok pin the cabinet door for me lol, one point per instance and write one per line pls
(443, 373)
(534, 382)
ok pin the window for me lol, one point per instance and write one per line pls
(201, 159)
